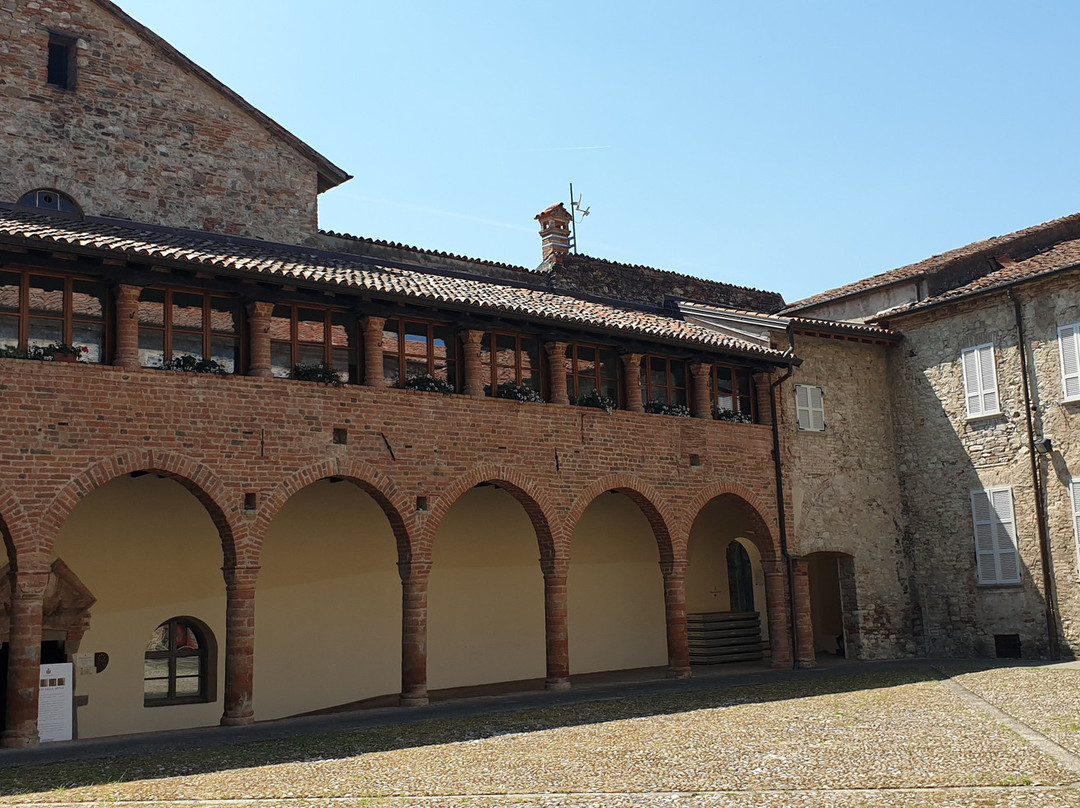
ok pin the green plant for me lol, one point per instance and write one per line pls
(194, 364)
(14, 352)
(429, 384)
(663, 408)
(317, 372)
(517, 392)
(595, 400)
(63, 349)
(724, 414)
(43, 353)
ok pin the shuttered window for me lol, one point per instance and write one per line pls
(1069, 345)
(980, 381)
(996, 556)
(809, 408)
(1074, 488)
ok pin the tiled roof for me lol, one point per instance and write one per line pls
(874, 332)
(1065, 255)
(397, 245)
(297, 265)
(1045, 234)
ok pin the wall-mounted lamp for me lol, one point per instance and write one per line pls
(1044, 446)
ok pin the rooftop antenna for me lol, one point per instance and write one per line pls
(575, 209)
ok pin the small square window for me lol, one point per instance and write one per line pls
(61, 62)
(809, 408)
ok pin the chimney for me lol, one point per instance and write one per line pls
(555, 232)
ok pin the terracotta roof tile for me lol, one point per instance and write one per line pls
(284, 262)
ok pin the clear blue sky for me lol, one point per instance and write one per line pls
(787, 146)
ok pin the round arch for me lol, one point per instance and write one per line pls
(14, 526)
(642, 494)
(195, 477)
(748, 504)
(365, 477)
(549, 537)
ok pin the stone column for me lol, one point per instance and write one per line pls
(556, 352)
(675, 606)
(776, 603)
(373, 355)
(474, 370)
(555, 623)
(127, 327)
(259, 314)
(414, 581)
(24, 659)
(701, 394)
(632, 378)
(239, 645)
(800, 570)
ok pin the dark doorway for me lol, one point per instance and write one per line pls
(740, 578)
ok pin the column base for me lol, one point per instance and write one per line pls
(806, 664)
(238, 720)
(19, 739)
(413, 700)
(679, 673)
(557, 684)
(780, 663)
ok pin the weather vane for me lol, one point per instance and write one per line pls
(575, 209)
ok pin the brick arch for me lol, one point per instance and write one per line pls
(535, 502)
(365, 477)
(199, 480)
(645, 496)
(746, 501)
(14, 526)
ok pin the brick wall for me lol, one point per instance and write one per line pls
(138, 138)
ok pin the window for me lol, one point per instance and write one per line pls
(980, 380)
(1069, 347)
(516, 359)
(415, 348)
(175, 323)
(1074, 490)
(809, 408)
(592, 369)
(47, 199)
(731, 390)
(180, 665)
(38, 310)
(663, 380)
(311, 336)
(61, 62)
(996, 557)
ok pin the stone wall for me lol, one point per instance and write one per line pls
(138, 137)
(943, 456)
(845, 492)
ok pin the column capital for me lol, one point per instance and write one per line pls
(242, 577)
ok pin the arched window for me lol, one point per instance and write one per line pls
(180, 665)
(48, 199)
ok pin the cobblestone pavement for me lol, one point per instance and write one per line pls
(860, 736)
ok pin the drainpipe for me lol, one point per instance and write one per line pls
(777, 466)
(1049, 591)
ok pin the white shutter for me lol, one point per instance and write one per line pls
(1069, 344)
(1074, 487)
(809, 408)
(996, 555)
(980, 380)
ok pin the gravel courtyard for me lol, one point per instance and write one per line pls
(860, 736)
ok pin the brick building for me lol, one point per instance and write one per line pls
(294, 469)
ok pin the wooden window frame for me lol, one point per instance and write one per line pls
(452, 348)
(737, 395)
(206, 330)
(669, 387)
(206, 652)
(67, 318)
(327, 344)
(574, 375)
(998, 537)
(810, 410)
(490, 340)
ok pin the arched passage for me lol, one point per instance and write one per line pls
(148, 550)
(730, 613)
(329, 600)
(486, 614)
(615, 586)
